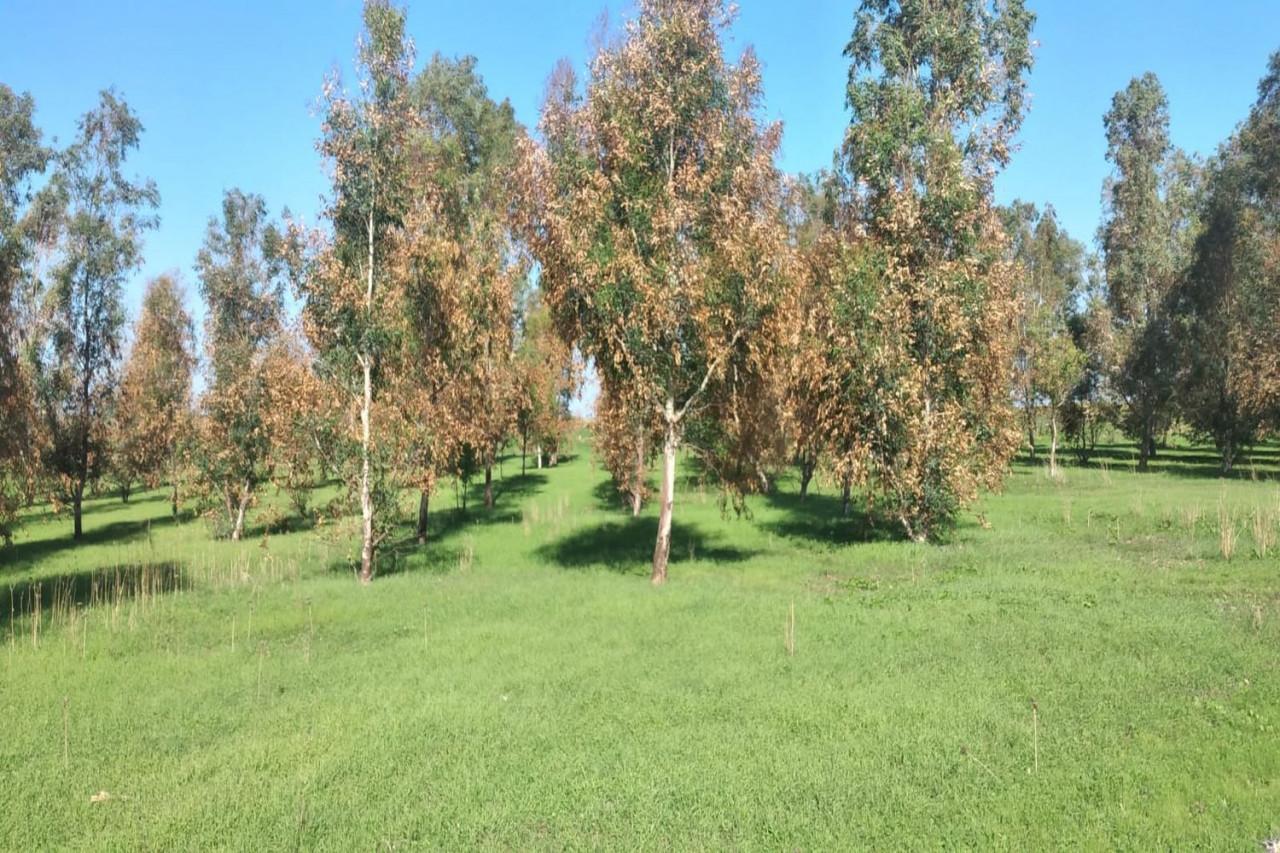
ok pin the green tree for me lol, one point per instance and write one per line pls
(100, 244)
(24, 158)
(1049, 364)
(353, 294)
(1226, 300)
(937, 90)
(1144, 237)
(656, 217)
(240, 269)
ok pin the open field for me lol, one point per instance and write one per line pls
(1089, 670)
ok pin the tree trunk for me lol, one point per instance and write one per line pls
(1053, 443)
(173, 499)
(488, 485)
(366, 487)
(1144, 445)
(846, 490)
(366, 417)
(423, 504)
(662, 548)
(524, 452)
(555, 457)
(537, 451)
(125, 491)
(238, 530)
(806, 475)
(77, 501)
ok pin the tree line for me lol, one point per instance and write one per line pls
(883, 323)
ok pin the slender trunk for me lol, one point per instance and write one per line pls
(488, 485)
(366, 415)
(238, 530)
(125, 491)
(423, 504)
(806, 475)
(524, 450)
(537, 451)
(173, 499)
(1053, 443)
(637, 501)
(555, 457)
(662, 548)
(637, 492)
(77, 500)
(846, 490)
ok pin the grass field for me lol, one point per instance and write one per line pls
(1080, 666)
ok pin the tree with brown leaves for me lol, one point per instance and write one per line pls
(153, 409)
(654, 210)
(937, 91)
(353, 293)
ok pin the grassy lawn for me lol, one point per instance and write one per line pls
(518, 683)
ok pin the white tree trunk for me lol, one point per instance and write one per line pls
(662, 548)
(366, 416)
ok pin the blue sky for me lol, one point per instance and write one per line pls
(226, 89)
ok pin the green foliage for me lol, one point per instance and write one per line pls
(103, 217)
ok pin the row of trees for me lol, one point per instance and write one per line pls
(884, 322)
(420, 352)
(1174, 322)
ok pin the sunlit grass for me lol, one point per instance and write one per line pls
(802, 682)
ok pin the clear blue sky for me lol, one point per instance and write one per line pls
(225, 88)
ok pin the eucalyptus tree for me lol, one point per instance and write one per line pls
(24, 159)
(153, 408)
(1049, 364)
(1259, 144)
(937, 92)
(103, 217)
(1144, 238)
(655, 213)
(240, 270)
(1229, 387)
(353, 293)
(469, 263)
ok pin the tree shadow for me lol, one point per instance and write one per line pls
(626, 546)
(820, 518)
(26, 554)
(1197, 462)
(61, 594)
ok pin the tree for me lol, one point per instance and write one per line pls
(153, 408)
(1260, 150)
(352, 295)
(1226, 299)
(240, 269)
(937, 91)
(464, 147)
(1141, 238)
(813, 209)
(1049, 364)
(24, 158)
(100, 244)
(297, 419)
(549, 377)
(655, 214)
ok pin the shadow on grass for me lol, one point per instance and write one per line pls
(820, 518)
(627, 546)
(441, 554)
(26, 554)
(61, 594)
(1196, 462)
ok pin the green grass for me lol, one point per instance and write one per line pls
(518, 683)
